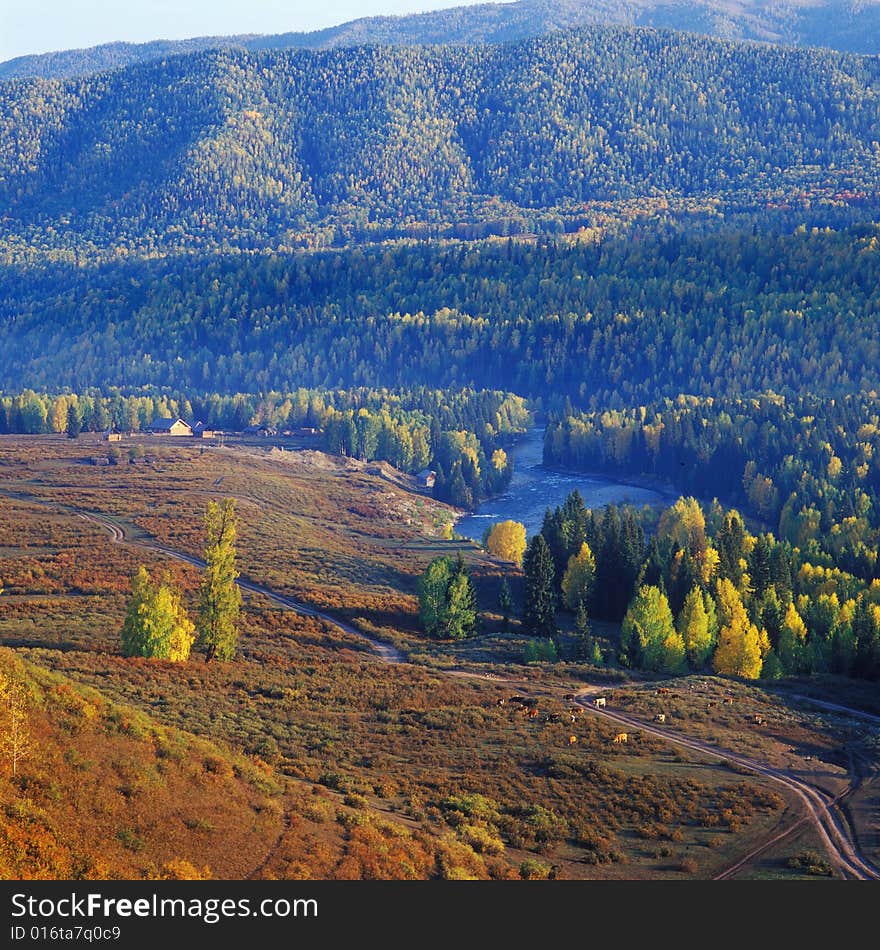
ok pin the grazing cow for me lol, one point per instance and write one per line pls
(729, 700)
(759, 720)
(663, 691)
(572, 717)
(553, 717)
(620, 737)
(501, 702)
(599, 702)
(533, 712)
(710, 705)
(661, 717)
(572, 740)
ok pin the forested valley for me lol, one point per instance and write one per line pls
(367, 271)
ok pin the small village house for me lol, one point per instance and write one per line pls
(175, 426)
(426, 478)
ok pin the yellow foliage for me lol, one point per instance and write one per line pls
(739, 650)
(178, 869)
(793, 622)
(499, 460)
(577, 582)
(507, 540)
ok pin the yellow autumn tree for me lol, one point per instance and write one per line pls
(577, 581)
(739, 642)
(695, 628)
(15, 733)
(685, 524)
(792, 641)
(648, 637)
(506, 540)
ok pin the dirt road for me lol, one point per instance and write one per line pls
(819, 806)
(819, 809)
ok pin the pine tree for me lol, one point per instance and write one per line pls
(539, 601)
(74, 424)
(584, 649)
(219, 596)
(505, 604)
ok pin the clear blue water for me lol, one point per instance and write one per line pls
(533, 489)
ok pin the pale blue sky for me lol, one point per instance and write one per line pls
(41, 26)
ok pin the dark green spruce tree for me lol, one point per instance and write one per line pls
(539, 601)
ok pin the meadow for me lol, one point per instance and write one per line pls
(326, 761)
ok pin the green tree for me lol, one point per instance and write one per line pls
(74, 424)
(447, 599)
(461, 604)
(541, 650)
(648, 636)
(693, 625)
(505, 603)
(219, 595)
(156, 624)
(539, 598)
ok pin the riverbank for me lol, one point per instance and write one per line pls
(534, 488)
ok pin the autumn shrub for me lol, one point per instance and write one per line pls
(811, 862)
(532, 870)
(179, 869)
(481, 839)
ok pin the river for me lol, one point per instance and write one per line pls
(533, 489)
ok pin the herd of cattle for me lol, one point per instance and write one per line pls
(528, 706)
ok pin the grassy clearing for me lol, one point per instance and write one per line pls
(378, 770)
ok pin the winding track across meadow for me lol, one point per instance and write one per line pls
(820, 809)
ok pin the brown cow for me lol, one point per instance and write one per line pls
(620, 737)
(572, 740)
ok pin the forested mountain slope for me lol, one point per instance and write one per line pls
(612, 324)
(251, 149)
(837, 24)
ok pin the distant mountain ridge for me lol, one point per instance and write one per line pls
(256, 147)
(844, 25)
